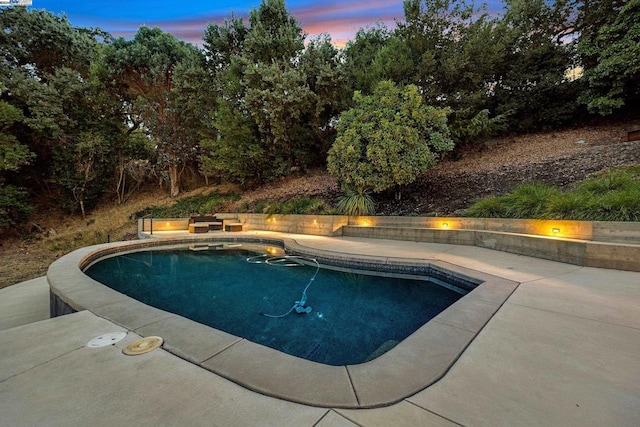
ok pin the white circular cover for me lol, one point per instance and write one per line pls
(106, 339)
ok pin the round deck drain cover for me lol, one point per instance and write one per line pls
(106, 339)
(143, 345)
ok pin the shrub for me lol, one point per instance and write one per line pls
(612, 180)
(573, 205)
(610, 196)
(188, 206)
(529, 200)
(302, 206)
(489, 207)
(356, 202)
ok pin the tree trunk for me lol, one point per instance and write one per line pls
(174, 178)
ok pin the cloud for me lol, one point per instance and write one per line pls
(340, 20)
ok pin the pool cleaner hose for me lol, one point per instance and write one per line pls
(299, 306)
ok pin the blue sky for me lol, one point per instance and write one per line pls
(341, 19)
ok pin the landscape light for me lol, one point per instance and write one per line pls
(445, 225)
(555, 230)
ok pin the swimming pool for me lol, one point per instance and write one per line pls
(284, 302)
(413, 364)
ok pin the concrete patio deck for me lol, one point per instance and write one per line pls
(564, 349)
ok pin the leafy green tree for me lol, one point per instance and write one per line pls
(147, 69)
(610, 51)
(231, 143)
(325, 77)
(531, 84)
(361, 67)
(275, 99)
(13, 155)
(449, 50)
(388, 139)
(48, 69)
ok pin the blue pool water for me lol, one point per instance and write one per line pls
(354, 317)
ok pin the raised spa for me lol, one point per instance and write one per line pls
(284, 302)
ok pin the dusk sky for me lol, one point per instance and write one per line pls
(187, 20)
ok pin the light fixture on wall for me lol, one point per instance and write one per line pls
(445, 225)
(555, 230)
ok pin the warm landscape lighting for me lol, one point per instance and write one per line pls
(366, 223)
(445, 225)
(555, 230)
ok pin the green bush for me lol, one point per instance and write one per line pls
(572, 205)
(529, 200)
(489, 207)
(613, 180)
(14, 205)
(302, 206)
(200, 204)
(622, 205)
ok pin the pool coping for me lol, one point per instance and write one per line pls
(414, 364)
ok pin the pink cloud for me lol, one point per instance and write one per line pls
(341, 20)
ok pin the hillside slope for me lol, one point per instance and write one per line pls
(558, 158)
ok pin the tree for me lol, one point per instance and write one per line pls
(388, 139)
(275, 99)
(13, 155)
(360, 55)
(449, 49)
(610, 51)
(532, 84)
(48, 68)
(147, 69)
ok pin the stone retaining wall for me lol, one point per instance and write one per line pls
(595, 244)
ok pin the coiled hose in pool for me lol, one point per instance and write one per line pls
(299, 306)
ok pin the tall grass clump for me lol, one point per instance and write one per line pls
(610, 196)
(489, 207)
(356, 203)
(572, 205)
(529, 200)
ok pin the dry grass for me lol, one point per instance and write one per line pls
(24, 258)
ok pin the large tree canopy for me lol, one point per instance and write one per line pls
(611, 49)
(153, 70)
(275, 97)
